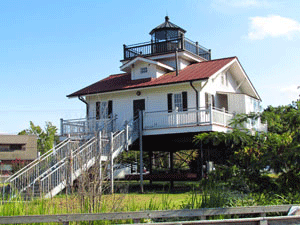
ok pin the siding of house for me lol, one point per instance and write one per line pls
(215, 85)
(155, 100)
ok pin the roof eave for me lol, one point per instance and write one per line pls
(140, 87)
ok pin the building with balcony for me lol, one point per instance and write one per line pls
(180, 90)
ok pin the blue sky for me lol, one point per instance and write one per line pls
(50, 49)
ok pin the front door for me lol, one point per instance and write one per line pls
(137, 106)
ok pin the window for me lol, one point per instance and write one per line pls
(103, 110)
(11, 147)
(144, 70)
(227, 77)
(222, 79)
(4, 148)
(255, 105)
(14, 147)
(209, 100)
(177, 101)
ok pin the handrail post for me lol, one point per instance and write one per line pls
(211, 113)
(126, 135)
(224, 116)
(182, 42)
(61, 126)
(124, 51)
(176, 116)
(69, 170)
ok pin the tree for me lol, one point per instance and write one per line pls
(46, 138)
(278, 149)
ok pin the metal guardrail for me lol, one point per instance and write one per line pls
(79, 159)
(39, 168)
(262, 211)
(84, 126)
(57, 168)
(167, 46)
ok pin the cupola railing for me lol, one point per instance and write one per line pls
(166, 46)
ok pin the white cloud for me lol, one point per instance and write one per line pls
(242, 3)
(290, 89)
(290, 92)
(272, 26)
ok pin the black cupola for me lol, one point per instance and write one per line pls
(166, 31)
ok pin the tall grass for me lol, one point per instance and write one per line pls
(207, 198)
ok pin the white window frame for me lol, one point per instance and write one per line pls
(178, 102)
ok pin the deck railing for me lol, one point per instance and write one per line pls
(84, 126)
(153, 48)
(192, 117)
(165, 119)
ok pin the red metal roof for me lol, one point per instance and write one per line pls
(117, 82)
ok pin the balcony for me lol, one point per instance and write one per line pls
(167, 46)
(202, 120)
(164, 122)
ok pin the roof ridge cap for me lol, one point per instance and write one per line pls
(221, 58)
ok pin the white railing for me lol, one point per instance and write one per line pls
(256, 125)
(125, 137)
(192, 117)
(221, 117)
(71, 168)
(75, 127)
(59, 167)
(28, 176)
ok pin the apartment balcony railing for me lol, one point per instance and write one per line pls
(168, 46)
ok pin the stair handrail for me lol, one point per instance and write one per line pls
(122, 138)
(83, 149)
(79, 150)
(37, 160)
(84, 145)
(25, 179)
(60, 162)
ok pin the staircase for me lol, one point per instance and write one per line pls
(53, 171)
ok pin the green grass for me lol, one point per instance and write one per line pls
(190, 196)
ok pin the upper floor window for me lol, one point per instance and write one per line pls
(11, 147)
(144, 70)
(255, 105)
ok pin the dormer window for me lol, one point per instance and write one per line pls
(144, 70)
